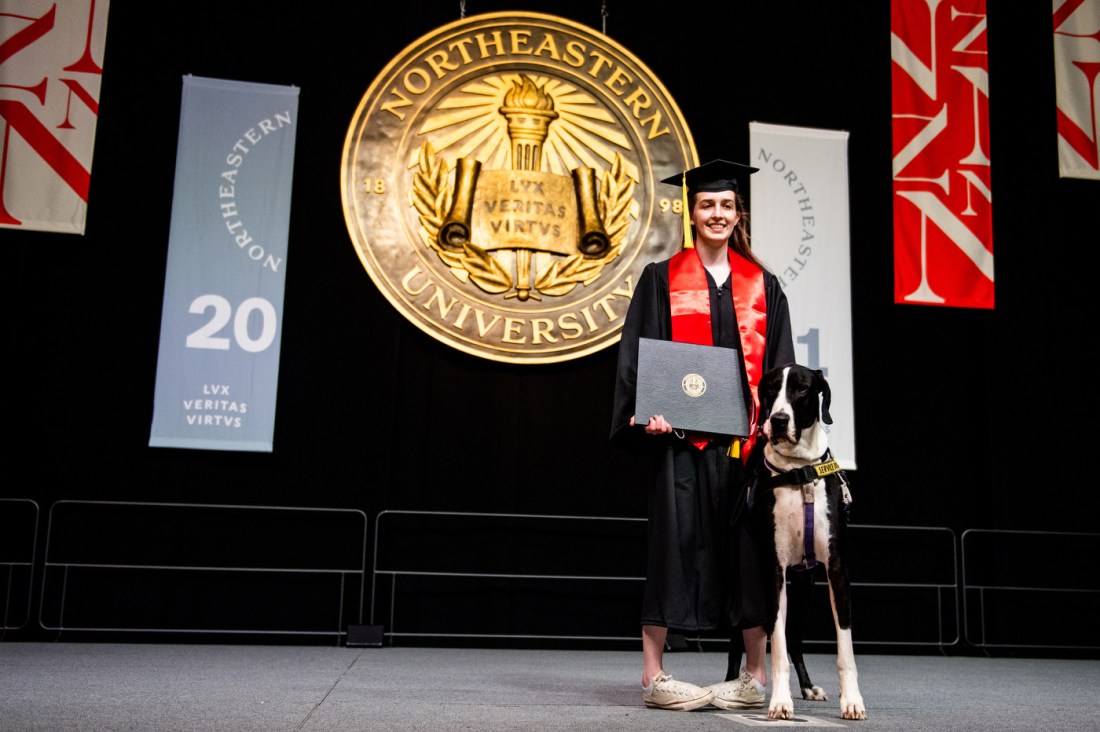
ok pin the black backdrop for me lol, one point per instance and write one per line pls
(959, 414)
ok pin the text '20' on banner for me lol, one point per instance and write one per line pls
(218, 363)
(800, 229)
(943, 205)
(51, 66)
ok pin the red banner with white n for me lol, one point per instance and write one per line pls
(943, 233)
(1076, 71)
(51, 64)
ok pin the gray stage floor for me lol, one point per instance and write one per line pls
(97, 686)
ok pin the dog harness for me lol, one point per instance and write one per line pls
(804, 478)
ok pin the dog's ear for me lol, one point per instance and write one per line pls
(768, 390)
(826, 395)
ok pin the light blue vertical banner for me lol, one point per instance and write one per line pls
(218, 363)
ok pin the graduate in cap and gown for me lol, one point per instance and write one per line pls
(703, 571)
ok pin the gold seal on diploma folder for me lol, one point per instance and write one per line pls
(695, 388)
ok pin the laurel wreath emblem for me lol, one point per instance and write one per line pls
(432, 196)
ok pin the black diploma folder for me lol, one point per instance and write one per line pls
(695, 388)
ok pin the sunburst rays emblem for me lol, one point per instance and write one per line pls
(468, 124)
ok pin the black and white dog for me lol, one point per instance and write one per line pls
(799, 501)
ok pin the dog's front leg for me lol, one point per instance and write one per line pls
(851, 701)
(800, 589)
(781, 705)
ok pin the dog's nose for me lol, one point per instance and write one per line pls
(780, 422)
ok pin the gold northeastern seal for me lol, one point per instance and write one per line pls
(500, 182)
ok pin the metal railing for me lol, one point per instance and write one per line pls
(18, 543)
(465, 526)
(927, 556)
(145, 567)
(1021, 587)
(397, 535)
(110, 566)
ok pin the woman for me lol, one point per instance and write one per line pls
(701, 566)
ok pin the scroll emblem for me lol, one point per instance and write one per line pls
(500, 183)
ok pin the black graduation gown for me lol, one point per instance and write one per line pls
(694, 553)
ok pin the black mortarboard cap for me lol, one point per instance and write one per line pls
(717, 175)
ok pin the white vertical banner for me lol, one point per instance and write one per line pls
(800, 231)
(218, 363)
(51, 66)
(1076, 74)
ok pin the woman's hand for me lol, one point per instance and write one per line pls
(657, 425)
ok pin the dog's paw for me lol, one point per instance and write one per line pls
(781, 707)
(852, 709)
(814, 693)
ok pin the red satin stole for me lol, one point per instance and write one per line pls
(689, 298)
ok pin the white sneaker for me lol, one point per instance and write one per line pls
(667, 693)
(739, 694)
